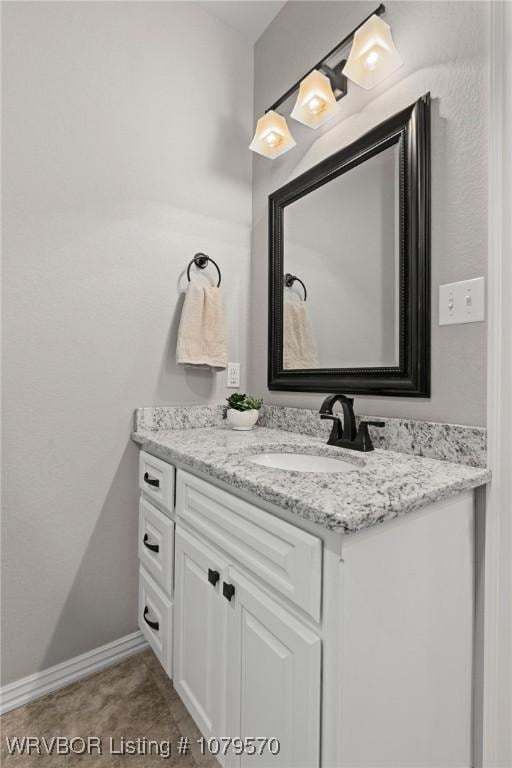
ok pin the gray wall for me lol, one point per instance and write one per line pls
(445, 49)
(119, 162)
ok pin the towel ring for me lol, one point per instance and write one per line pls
(290, 279)
(201, 260)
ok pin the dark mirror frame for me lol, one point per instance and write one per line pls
(410, 129)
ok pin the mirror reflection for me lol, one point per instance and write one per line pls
(341, 270)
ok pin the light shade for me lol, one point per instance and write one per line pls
(316, 102)
(272, 137)
(373, 55)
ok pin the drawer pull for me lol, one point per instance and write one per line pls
(151, 480)
(152, 547)
(228, 591)
(213, 576)
(153, 624)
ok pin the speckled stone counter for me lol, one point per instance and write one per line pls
(385, 484)
(459, 443)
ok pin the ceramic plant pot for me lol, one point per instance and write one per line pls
(242, 420)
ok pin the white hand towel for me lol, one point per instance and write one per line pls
(201, 335)
(299, 339)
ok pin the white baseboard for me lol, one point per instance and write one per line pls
(39, 684)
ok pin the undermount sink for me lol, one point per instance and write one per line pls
(301, 462)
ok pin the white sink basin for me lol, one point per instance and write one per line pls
(301, 462)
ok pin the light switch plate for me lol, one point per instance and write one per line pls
(233, 375)
(462, 302)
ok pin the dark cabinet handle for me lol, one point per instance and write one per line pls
(151, 480)
(152, 547)
(228, 591)
(153, 624)
(213, 576)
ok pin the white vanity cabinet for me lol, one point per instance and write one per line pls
(352, 651)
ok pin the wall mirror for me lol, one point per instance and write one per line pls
(349, 269)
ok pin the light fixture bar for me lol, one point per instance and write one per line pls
(322, 64)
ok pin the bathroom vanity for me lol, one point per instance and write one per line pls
(332, 612)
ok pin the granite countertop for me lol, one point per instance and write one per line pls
(387, 484)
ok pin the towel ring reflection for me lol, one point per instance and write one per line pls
(290, 279)
(201, 260)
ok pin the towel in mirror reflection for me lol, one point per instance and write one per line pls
(299, 344)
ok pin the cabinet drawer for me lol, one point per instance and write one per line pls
(155, 619)
(156, 480)
(156, 544)
(285, 557)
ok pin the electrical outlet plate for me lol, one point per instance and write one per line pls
(233, 375)
(462, 302)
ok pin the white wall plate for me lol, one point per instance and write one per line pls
(462, 302)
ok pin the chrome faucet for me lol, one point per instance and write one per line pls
(347, 436)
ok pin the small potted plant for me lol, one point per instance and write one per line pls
(243, 411)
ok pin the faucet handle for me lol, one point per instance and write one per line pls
(336, 431)
(363, 438)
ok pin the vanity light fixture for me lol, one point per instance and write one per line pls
(272, 136)
(316, 101)
(373, 56)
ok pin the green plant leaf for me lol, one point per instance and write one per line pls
(243, 402)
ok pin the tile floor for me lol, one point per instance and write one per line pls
(132, 699)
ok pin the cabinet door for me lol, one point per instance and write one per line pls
(199, 632)
(273, 678)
